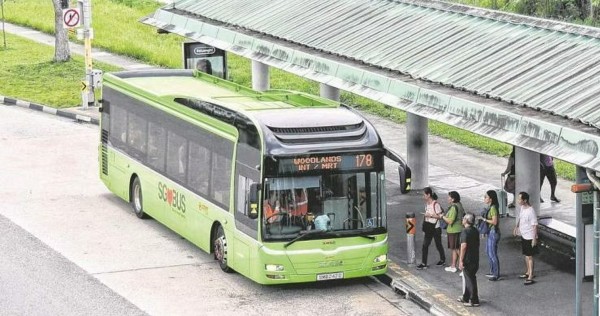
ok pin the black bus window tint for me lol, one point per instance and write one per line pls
(118, 126)
(176, 157)
(136, 134)
(221, 179)
(198, 171)
(157, 146)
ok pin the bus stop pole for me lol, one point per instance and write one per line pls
(411, 228)
(579, 241)
(87, 91)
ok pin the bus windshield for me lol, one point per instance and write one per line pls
(338, 204)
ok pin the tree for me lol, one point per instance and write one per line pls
(62, 52)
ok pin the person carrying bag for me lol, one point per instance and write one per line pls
(431, 228)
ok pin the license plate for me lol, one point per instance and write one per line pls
(330, 276)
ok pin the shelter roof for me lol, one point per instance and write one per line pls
(525, 81)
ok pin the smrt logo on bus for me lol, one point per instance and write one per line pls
(171, 196)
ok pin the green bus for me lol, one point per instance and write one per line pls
(280, 186)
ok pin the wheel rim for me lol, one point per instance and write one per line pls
(221, 249)
(137, 201)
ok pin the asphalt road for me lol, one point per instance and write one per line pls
(88, 243)
(36, 280)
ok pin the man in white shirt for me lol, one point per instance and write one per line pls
(527, 228)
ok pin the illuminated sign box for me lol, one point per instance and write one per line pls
(339, 162)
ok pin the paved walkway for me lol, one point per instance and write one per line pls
(452, 167)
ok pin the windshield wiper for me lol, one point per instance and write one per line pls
(367, 236)
(302, 236)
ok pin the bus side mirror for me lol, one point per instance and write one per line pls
(403, 170)
(253, 201)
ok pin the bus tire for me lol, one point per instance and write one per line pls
(135, 193)
(220, 244)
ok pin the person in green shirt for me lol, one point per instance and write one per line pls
(454, 220)
(491, 219)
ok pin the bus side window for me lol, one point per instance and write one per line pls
(136, 130)
(198, 172)
(118, 126)
(176, 157)
(157, 146)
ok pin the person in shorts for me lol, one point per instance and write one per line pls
(527, 228)
(454, 220)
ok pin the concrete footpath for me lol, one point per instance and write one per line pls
(452, 167)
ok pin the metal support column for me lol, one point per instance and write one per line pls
(594, 179)
(329, 92)
(417, 147)
(260, 76)
(579, 241)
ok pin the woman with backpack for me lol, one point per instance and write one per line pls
(454, 220)
(489, 226)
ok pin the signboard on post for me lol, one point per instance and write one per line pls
(205, 58)
(71, 18)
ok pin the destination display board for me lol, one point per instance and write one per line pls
(333, 162)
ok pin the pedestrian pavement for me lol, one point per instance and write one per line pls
(452, 167)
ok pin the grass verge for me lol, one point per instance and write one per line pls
(37, 78)
(116, 29)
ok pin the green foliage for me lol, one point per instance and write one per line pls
(38, 79)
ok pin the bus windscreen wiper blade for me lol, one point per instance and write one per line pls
(367, 236)
(302, 236)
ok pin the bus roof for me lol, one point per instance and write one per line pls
(311, 123)
(196, 85)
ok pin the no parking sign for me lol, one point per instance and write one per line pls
(71, 17)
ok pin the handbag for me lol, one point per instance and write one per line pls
(482, 226)
(443, 224)
(428, 227)
(509, 183)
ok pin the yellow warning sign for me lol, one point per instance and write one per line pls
(83, 85)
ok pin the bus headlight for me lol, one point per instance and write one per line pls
(380, 258)
(274, 267)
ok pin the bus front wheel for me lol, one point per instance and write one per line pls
(220, 243)
(136, 198)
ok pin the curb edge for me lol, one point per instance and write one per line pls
(47, 109)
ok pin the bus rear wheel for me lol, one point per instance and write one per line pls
(220, 243)
(136, 198)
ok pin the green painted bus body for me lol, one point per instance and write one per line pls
(196, 218)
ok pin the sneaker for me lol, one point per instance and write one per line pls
(489, 275)
(554, 199)
(440, 263)
(493, 279)
(450, 269)
(421, 266)
(471, 304)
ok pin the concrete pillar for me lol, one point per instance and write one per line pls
(260, 76)
(417, 147)
(330, 92)
(527, 176)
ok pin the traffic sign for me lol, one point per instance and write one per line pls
(71, 17)
(83, 86)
